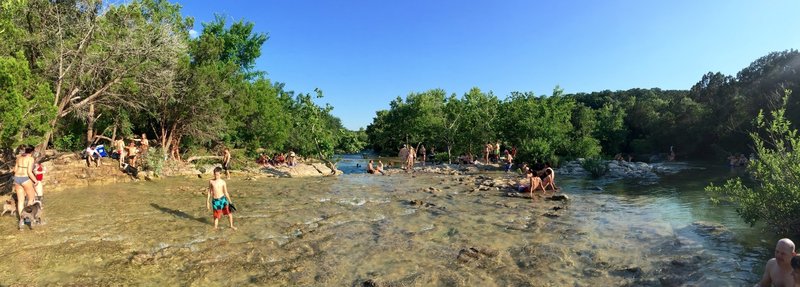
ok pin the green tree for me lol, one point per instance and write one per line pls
(775, 195)
(25, 109)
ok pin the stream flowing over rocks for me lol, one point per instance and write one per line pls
(444, 225)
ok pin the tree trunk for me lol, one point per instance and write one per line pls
(449, 156)
(90, 125)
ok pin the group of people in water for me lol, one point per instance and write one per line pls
(740, 160)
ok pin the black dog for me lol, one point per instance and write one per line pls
(129, 170)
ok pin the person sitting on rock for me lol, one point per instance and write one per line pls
(534, 182)
(550, 177)
(778, 271)
(92, 155)
(370, 169)
(380, 167)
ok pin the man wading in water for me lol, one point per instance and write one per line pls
(778, 271)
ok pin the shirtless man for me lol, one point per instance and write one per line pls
(486, 149)
(218, 189)
(119, 147)
(370, 169)
(412, 153)
(144, 145)
(778, 271)
(422, 151)
(133, 154)
(403, 154)
(226, 163)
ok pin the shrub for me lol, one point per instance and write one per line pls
(597, 167)
(776, 175)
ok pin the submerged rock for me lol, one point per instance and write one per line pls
(561, 197)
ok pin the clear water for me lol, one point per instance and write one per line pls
(347, 230)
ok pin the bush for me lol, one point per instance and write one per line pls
(68, 142)
(597, 167)
(776, 173)
(441, 157)
(154, 160)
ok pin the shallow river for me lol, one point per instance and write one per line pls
(362, 230)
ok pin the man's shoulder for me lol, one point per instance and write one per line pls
(771, 263)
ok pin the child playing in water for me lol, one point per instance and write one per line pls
(218, 189)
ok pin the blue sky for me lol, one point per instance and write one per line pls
(363, 54)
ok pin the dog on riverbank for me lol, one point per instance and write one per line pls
(10, 206)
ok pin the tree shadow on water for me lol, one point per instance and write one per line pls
(179, 214)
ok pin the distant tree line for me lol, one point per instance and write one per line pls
(711, 119)
(78, 70)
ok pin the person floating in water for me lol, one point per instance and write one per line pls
(219, 199)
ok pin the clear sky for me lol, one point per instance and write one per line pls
(363, 54)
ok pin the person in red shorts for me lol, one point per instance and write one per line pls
(219, 199)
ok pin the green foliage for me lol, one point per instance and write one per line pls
(25, 104)
(441, 157)
(775, 195)
(154, 161)
(596, 166)
(69, 141)
(351, 141)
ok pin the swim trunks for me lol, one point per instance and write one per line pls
(220, 207)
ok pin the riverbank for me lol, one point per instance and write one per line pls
(68, 171)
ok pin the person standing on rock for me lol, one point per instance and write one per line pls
(403, 154)
(497, 152)
(226, 163)
(38, 171)
(778, 271)
(486, 149)
(144, 145)
(133, 154)
(410, 159)
(509, 161)
(119, 148)
(424, 155)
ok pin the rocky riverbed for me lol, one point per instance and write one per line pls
(444, 227)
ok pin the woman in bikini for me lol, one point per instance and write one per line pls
(24, 179)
